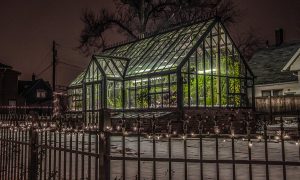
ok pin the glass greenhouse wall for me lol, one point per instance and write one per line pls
(194, 65)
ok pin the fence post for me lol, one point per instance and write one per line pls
(33, 155)
(104, 153)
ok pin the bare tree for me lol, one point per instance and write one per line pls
(134, 17)
(248, 43)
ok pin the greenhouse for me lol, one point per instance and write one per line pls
(191, 66)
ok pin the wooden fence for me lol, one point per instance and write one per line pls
(280, 104)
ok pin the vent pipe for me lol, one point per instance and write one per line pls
(278, 36)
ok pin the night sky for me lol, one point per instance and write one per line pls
(28, 27)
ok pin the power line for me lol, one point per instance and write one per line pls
(73, 59)
(68, 60)
(54, 61)
(71, 65)
(44, 69)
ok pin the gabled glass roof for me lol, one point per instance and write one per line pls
(112, 66)
(93, 73)
(161, 52)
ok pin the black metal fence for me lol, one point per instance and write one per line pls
(25, 110)
(46, 150)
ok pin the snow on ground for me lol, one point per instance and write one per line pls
(209, 153)
(68, 160)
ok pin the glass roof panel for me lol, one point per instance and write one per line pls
(93, 73)
(157, 53)
(179, 52)
(149, 61)
(105, 66)
(112, 66)
(78, 80)
(160, 52)
(120, 51)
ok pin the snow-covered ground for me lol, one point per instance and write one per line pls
(68, 159)
(209, 153)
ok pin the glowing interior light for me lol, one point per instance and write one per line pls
(166, 66)
(250, 144)
(158, 137)
(138, 80)
(143, 70)
(207, 71)
(286, 136)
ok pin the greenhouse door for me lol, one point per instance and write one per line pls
(93, 102)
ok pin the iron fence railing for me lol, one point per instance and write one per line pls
(48, 150)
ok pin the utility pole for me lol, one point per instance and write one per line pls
(54, 61)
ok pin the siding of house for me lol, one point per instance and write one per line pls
(8, 86)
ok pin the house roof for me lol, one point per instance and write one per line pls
(267, 64)
(4, 66)
(26, 86)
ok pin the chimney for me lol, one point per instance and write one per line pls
(33, 77)
(267, 44)
(278, 36)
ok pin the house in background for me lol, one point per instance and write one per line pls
(23, 96)
(36, 92)
(8, 85)
(277, 83)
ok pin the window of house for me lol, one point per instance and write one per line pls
(40, 93)
(278, 92)
(266, 93)
(12, 103)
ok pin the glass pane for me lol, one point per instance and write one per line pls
(110, 94)
(89, 97)
(173, 90)
(132, 97)
(165, 91)
(218, 71)
(118, 94)
(93, 73)
(97, 96)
